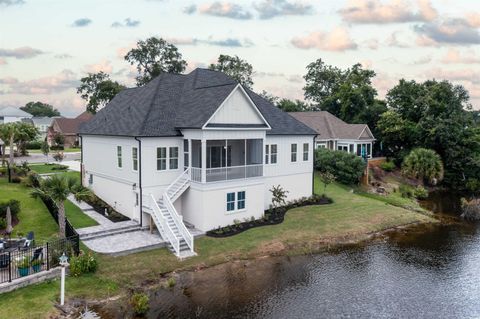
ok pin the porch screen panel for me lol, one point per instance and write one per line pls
(254, 152)
(196, 153)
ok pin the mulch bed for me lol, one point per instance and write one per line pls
(272, 217)
(112, 214)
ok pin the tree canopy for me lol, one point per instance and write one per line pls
(98, 89)
(347, 94)
(293, 106)
(153, 57)
(238, 69)
(40, 109)
(423, 164)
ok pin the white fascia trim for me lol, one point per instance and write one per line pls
(204, 127)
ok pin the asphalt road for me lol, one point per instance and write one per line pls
(40, 158)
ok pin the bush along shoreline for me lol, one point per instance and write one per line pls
(272, 216)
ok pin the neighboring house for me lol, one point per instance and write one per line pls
(42, 123)
(335, 134)
(68, 128)
(12, 114)
(198, 150)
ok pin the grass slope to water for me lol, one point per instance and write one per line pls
(304, 230)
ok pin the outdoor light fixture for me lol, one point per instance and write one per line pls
(134, 186)
(63, 263)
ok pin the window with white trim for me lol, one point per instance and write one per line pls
(135, 158)
(273, 154)
(267, 153)
(119, 156)
(173, 161)
(293, 156)
(161, 158)
(230, 202)
(305, 151)
(241, 200)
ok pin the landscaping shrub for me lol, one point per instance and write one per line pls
(34, 145)
(388, 166)
(407, 191)
(58, 156)
(32, 180)
(139, 302)
(424, 165)
(83, 264)
(420, 192)
(59, 167)
(14, 207)
(347, 168)
(171, 282)
(16, 179)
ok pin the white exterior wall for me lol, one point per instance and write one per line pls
(295, 177)
(112, 184)
(237, 109)
(205, 205)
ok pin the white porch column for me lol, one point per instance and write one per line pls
(204, 160)
(190, 156)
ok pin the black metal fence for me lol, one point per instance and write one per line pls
(53, 209)
(21, 262)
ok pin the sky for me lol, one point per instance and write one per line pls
(46, 46)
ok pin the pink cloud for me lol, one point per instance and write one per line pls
(104, 65)
(473, 19)
(3, 61)
(62, 81)
(454, 56)
(336, 40)
(381, 12)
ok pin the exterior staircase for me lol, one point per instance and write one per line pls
(169, 223)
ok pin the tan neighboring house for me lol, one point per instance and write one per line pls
(335, 134)
(68, 128)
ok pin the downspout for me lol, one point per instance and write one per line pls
(313, 164)
(81, 160)
(140, 178)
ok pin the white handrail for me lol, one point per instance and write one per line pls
(185, 174)
(178, 221)
(165, 228)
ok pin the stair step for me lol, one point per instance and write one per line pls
(110, 232)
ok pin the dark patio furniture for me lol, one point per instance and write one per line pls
(37, 254)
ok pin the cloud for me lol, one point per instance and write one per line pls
(62, 81)
(272, 8)
(182, 41)
(225, 9)
(372, 44)
(83, 22)
(423, 60)
(465, 75)
(336, 40)
(473, 19)
(3, 61)
(8, 3)
(191, 9)
(62, 56)
(20, 53)
(393, 11)
(393, 41)
(104, 65)
(230, 42)
(454, 56)
(451, 31)
(127, 23)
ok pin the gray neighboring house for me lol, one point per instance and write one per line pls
(42, 123)
(11, 114)
(335, 134)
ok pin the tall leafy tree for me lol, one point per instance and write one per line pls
(293, 106)
(347, 94)
(423, 164)
(98, 89)
(236, 68)
(25, 132)
(153, 57)
(58, 188)
(40, 109)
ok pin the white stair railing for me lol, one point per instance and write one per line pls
(182, 229)
(178, 184)
(163, 227)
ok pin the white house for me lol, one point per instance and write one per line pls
(196, 150)
(335, 134)
(11, 114)
(42, 123)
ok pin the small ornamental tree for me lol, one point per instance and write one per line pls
(45, 149)
(346, 167)
(279, 195)
(327, 178)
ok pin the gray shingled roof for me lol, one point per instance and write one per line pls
(329, 126)
(13, 111)
(171, 102)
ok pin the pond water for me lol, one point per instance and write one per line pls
(423, 272)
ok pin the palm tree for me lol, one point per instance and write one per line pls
(58, 188)
(423, 164)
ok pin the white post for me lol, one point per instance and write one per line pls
(190, 156)
(62, 287)
(204, 161)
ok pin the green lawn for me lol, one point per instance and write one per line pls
(76, 217)
(47, 168)
(67, 150)
(305, 229)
